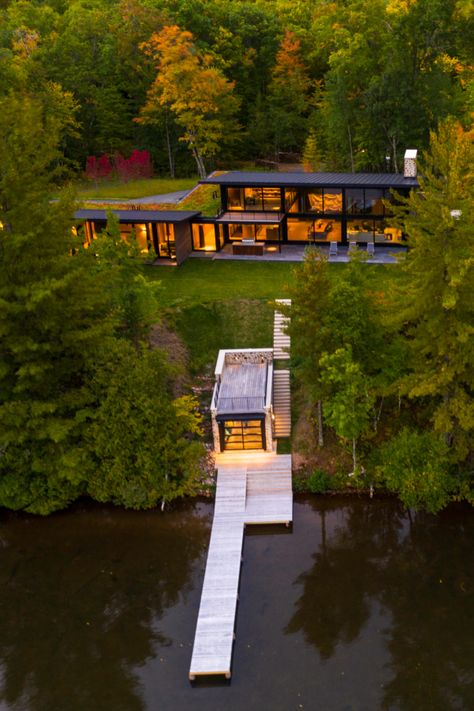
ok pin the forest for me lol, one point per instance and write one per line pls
(88, 404)
(211, 83)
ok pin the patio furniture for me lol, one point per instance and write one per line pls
(333, 249)
(352, 246)
(370, 249)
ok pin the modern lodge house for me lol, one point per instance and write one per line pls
(261, 211)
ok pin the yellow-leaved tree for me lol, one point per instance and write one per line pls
(195, 91)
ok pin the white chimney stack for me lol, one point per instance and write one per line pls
(410, 163)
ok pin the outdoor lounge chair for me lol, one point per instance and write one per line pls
(370, 249)
(333, 249)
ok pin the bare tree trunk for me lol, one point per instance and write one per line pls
(320, 424)
(199, 162)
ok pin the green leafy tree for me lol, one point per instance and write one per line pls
(141, 438)
(196, 92)
(54, 317)
(288, 96)
(415, 465)
(436, 305)
(349, 405)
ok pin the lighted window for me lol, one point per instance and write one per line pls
(204, 238)
(313, 200)
(235, 199)
(271, 198)
(332, 200)
(360, 230)
(253, 198)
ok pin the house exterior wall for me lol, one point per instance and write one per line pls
(183, 241)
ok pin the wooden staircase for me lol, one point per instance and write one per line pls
(282, 403)
(281, 340)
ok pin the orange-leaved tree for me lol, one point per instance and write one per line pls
(198, 95)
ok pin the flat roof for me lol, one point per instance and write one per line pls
(242, 388)
(140, 216)
(333, 180)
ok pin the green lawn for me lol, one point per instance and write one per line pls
(227, 304)
(134, 188)
(199, 281)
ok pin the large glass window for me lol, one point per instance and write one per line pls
(354, 201)
(332, 200)
(313, 200)
(299, 230)
(317, 230)
(291, 201)
(360, 231)
(235, 199)
(242, 434)
(166, 242)
(253, 198)
(271, 198)
(263, 232)
(374, 201)
(204, 238)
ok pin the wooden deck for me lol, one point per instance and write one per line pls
(252, 488)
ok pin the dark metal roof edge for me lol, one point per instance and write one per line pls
(257, 179)
(138, 215)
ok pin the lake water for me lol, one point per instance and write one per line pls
(360, 607)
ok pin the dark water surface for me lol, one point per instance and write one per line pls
(359, 608)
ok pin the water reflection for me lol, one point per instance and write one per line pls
(80, 613)
(419, 568)
(360, 608)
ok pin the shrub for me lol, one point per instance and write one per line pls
(319, 482)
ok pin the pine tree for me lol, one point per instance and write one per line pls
(53, 316)
(436, 306)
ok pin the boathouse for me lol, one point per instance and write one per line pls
(241, 408)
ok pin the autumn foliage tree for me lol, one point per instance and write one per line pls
(195, 91)
(289, 95)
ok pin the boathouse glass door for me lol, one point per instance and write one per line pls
(242, 434)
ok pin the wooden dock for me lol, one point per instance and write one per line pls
(252, 488)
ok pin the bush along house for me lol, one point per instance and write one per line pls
(263, 211)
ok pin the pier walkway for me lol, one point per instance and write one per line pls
(252, 488)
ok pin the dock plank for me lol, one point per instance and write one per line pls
(253, 489)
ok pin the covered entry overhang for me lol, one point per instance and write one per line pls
(241, 406)
(250, 231)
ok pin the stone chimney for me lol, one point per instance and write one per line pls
(410, 163)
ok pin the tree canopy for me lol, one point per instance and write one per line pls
(365, 79)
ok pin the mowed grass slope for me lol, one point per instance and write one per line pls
(227, 304)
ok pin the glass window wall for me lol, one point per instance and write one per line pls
(291, 201)
(242, 434)
(271, 199)
(313, 200)
(354, 201)
(360, 231)
(374, 201)
(253, 199)
(235, 199)
(332, 200)
(204, 238)
(318, 230)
